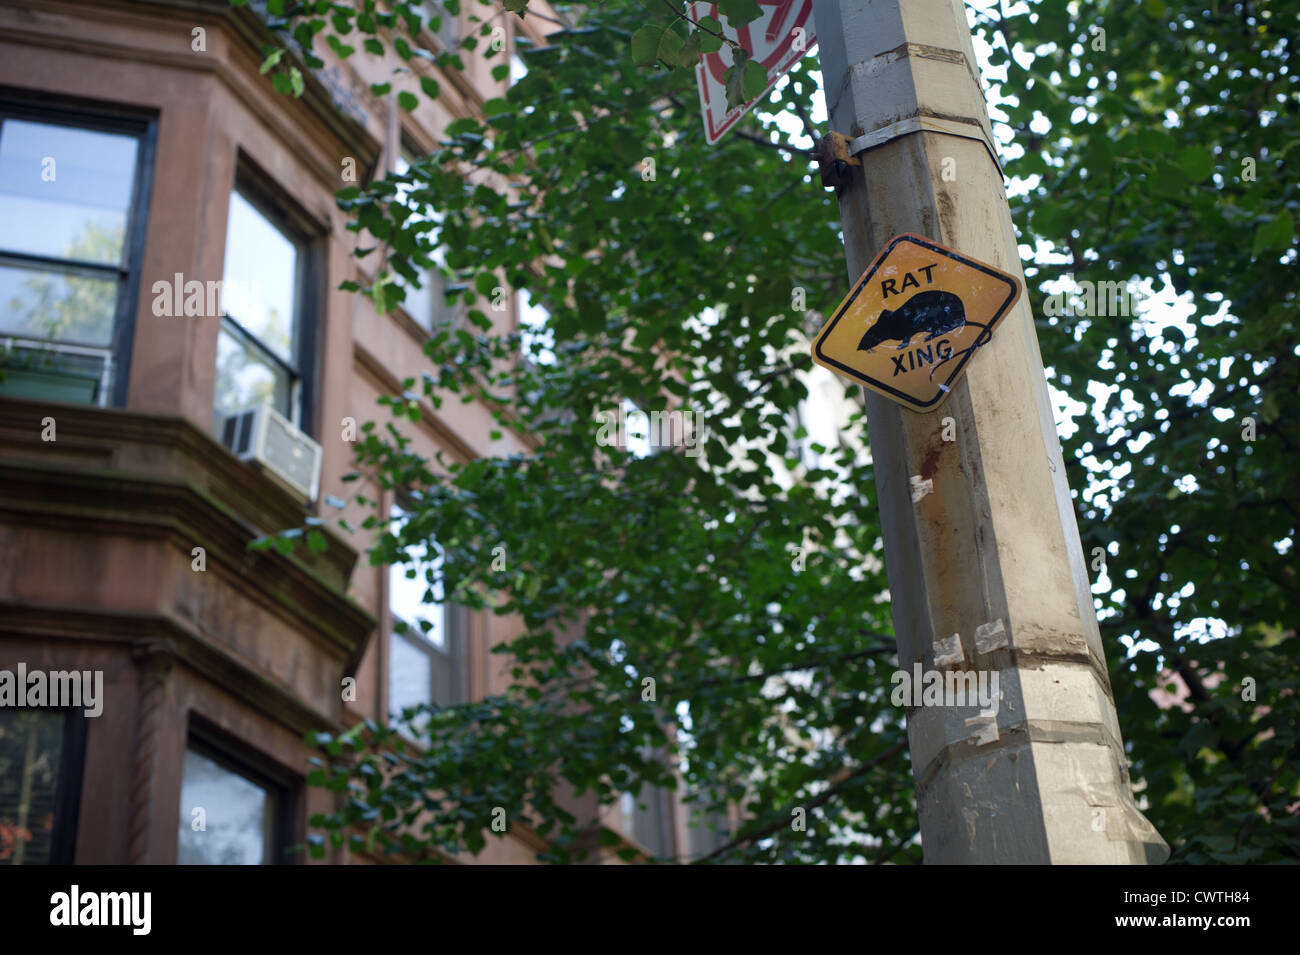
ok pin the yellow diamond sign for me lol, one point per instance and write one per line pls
(912, 322)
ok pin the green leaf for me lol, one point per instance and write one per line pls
(341, 49)
(408, 101)
(463, 125)
(1197, 162)
(1274, 234)
(670, 45)
(740, 12)
(755, 80)
(735, 80)
(295, 81)
(270, 62)
(430, 86)
(645, 44)
(690, 51)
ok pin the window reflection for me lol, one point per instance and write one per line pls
(65, 192)
(66, 196)
(237, 816)
(256, 350)
(31, 748)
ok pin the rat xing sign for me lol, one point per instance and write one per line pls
(914, 320)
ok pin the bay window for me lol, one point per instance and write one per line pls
(73, 200)
(261, 345)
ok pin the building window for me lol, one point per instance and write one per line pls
(262, 341)
(647, 820)
(426, 643)
(41, 756)
(518, 69)
(427, 305)
(638, 439)
(73, 196)
(447, 29)
(707, 833)
(232, 812)
(536, 337)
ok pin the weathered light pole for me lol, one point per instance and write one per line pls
(992, 552)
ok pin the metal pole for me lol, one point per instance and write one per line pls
(992, 554)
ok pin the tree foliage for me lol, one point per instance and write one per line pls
(746, 581)
(1167, 160)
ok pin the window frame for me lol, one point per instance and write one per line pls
(306, 234)
(236, 756)
(444, 15)
(104, 117)
(67, 791)
(453, 653)
(446, 315)
(657, 815)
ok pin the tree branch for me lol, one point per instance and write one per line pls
(829, 793)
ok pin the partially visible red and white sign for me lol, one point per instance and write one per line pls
(777, 40)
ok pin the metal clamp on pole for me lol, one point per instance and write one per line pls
(924, 124)
(836, 154)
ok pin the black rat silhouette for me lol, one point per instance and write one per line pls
(931, 313)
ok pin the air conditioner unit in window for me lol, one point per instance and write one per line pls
(267, 438)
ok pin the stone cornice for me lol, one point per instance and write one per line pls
(250, 32)
(96, 438)
(163, 633)
(112, 472)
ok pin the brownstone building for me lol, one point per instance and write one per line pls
(148, 434)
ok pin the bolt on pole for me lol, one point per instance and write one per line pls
(991, 554)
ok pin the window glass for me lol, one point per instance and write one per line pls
(65, 192)
(410, 680)
(645, 821)
(518, 69)
(406, 594)
(245, 377)
(260, 279)
(423, 666)
(427, 304)
(636, 429)
(31, 749)
(256, 352)
(236, 819)
(448, 26)
(537, 340)
(66, 196)
(62, 306)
